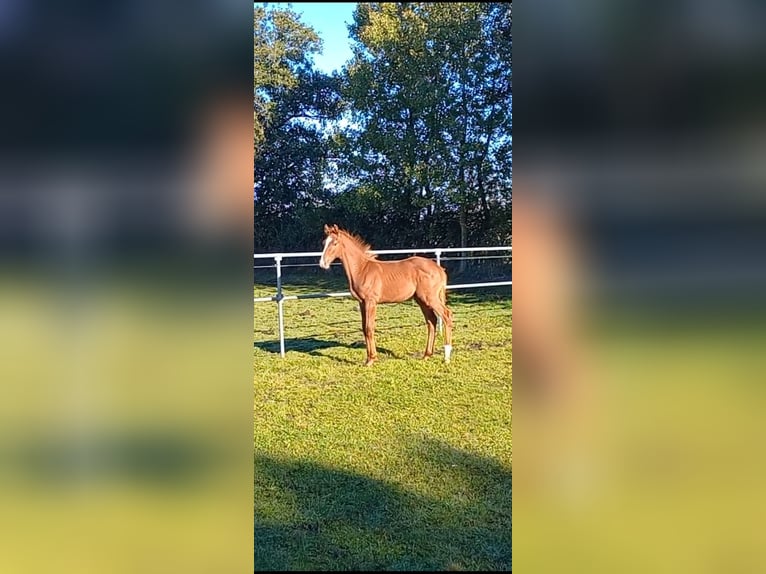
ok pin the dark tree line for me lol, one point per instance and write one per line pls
(410, 145)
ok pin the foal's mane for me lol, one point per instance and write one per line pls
(360, 243)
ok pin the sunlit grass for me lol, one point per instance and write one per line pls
(404, 465)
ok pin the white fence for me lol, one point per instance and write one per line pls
(280, 298)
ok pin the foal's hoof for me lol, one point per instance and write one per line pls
(427, 356)
(369, 362)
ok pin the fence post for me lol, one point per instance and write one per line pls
(439, 262)
(278, 260)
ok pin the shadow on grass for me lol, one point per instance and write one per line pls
(313, 282)
(312, 346)
(311, 517)
(481, 295)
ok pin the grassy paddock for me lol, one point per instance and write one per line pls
(404, 465)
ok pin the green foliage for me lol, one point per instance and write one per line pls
(423, 155)
(431, 87)
(281, 54)
(292, 102)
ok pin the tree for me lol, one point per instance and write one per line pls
(431, 89)
(292, 104)
(282, 47)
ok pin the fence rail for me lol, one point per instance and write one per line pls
(280, 298)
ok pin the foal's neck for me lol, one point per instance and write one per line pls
(354, 259)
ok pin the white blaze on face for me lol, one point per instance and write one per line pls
(322, 263)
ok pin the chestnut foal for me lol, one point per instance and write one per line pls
(372, 281)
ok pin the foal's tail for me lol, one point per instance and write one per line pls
(443, 289)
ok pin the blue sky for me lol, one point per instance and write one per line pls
(329, 19)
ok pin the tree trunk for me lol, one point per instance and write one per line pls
(463, 237)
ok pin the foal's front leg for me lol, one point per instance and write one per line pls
(363, 313)
(368, 325)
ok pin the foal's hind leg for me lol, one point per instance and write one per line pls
(445, 313)
(430, 316)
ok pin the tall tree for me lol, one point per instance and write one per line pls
(479, 74)
(282, 49)
(430, 84)
(292, 104)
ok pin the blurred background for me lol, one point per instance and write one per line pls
(125, 330)
(639, 216)
(125, 286)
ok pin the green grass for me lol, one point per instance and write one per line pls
(402, 466)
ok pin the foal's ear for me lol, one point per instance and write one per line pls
(327, 229)
(335, 229)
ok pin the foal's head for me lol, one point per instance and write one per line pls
(332, 246)
(339, 242)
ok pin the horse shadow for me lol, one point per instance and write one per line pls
(313, 346)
